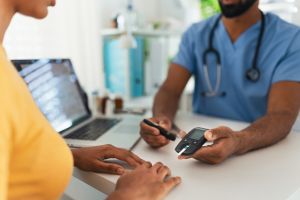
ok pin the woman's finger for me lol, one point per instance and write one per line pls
(102, 167)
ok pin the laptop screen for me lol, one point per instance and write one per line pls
(56, 90)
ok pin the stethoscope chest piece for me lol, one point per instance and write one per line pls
(253, 74)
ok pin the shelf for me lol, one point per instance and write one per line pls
(147, 33)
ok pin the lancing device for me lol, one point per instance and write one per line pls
(162, 131)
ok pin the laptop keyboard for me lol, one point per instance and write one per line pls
(93, 130)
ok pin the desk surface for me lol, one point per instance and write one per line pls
(267, 174)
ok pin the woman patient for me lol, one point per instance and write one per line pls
(35, 162)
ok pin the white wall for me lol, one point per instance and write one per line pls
(71, 30)
(185, 12)
(297, 15)
(108, 9)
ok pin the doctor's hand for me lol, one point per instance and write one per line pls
(225, 142)
(145, 183)
(152, 135)
(93, 159)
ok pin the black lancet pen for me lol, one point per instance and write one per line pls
(164, 132)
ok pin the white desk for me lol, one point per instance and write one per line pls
(267, 174)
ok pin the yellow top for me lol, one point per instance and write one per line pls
(35, 162)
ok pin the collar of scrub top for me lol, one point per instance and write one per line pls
(252, 74)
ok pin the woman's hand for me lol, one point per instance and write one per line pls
(93, 159)
(145, 183)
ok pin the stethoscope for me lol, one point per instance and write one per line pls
(252, 74)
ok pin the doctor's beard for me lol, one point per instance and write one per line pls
(236, 9)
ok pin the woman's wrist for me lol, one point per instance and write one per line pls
(74, 153)
(122, 195)
(115, 196)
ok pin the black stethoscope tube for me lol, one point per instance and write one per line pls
(252, 74)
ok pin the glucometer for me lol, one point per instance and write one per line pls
(162, 131)
(193, 141)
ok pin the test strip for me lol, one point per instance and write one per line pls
(183, 150)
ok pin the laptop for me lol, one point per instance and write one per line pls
(57, 92)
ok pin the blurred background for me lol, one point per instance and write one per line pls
(119, 47)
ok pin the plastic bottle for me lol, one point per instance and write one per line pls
(131, 17)
(128, 41)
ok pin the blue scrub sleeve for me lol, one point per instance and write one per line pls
(289, 68)
(185, 56)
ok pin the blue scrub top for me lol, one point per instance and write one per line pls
(279, 60)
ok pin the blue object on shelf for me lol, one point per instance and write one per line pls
(136, 57)
(116, 60)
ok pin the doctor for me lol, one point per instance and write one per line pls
(246, 66)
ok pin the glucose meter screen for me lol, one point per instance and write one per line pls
(197, 134)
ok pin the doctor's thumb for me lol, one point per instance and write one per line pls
(165, 124)
(217, 133)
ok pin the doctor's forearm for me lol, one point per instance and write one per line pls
(283, 108)
(167, 99)
(165, 104)
(266, 131)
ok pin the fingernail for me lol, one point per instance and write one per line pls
(178, 179)
(156, 132)
(181, 158)
(163, 124)
(181, 133)
(120, 171)
(209, 135)
(149, 164)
